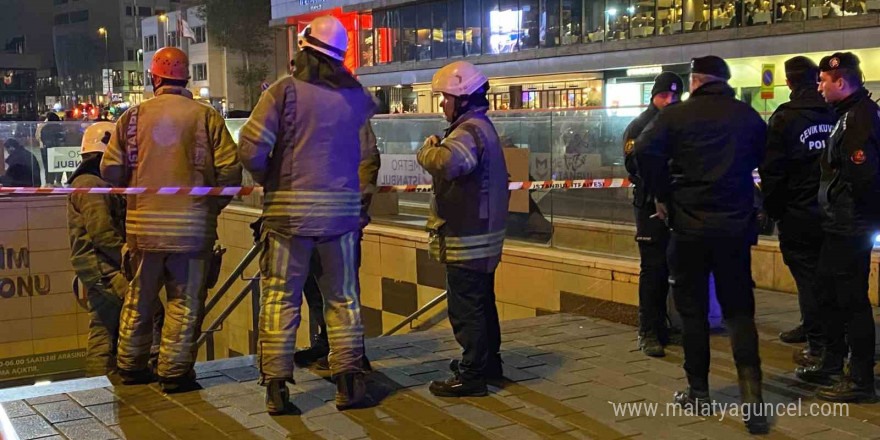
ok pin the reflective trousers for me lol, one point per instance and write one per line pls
(284, 264)
(104, 305)
(184, 276)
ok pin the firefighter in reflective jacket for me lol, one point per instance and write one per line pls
(302, 144)
(467, 222)
(170, 140)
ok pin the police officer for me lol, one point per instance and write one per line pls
(467, 224)
(796, 137)
(302, 144)
(652, 234)
(697, 158)
(170, 140)
(849, 189)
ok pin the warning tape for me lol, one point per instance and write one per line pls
(248, 190)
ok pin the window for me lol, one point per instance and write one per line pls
(387, 36)
(366, 36)
(144, 11)
(408, 33)
(473, 25)
(572, 21)
(529, 16)
(504, 19)
(439, 43)
(117, 78)
(173, 39)
(150, 43)
(200, 72)
(594, 20)
(201, 34)
(128, 11)
(135, 78)
(62, 19)
(643, 23)
(79, 16)
(129, 55)
(455, 28)
(423, 33)
(617, 20)
(550, 23)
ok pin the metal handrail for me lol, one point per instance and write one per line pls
(251, 287)
(409, 319)
(233, 277)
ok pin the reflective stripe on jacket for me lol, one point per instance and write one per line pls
(470, 202)
(303, 143)
(172, 140)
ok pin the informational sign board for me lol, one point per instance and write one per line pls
(768, 74)
(402, 169)
(63, 159)
(42, 364)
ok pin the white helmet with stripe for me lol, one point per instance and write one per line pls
(327, 35)
(458, 79)
(96, 137)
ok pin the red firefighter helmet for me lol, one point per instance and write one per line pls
(170, 63)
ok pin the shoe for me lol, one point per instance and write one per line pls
(849, 391)
(350, 390)
(278, 397)
(757, 423)
(750, 394)
(650, 345)
(819, 373)
(696, 401)
(172, 385)
(323, 364)
(807, 357)
(456, 387)
(139, 377)
(311, 355)
(794, 336)
(494, 373)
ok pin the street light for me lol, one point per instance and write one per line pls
(103, 31)
(162, 19)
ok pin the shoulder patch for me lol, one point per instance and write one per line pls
(629, 146)
(858, 157)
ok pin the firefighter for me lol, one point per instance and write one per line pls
(467, 224)
(652, 234)
(302, 144)
(169, 141)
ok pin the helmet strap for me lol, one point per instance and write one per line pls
(318, 43)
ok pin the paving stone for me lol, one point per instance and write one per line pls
(266, 433)
(17, 408)
(477, 416)
(47, 399)
(110, 413)
(88, 429)
(552, 373)
(516, 432)
(207, 374)
(341, 425)
(399, 378)
(323, 390)
(242, 374)
(558, 391)
(62, 411)
(138, 428)
(516, 360)
(516, 375)
(93, 397)
(214, 381)
(250, 404)
(311, 406)
(31, 427)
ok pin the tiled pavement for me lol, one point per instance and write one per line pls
(563, 371)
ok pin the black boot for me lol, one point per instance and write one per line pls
(826, 372)
(750, 394)
(807, 357)
(856, 387)
(796, 335)
(319, 350)
(455, 386)
(278, 398)
(695, 397)
(650, 344)
(139, 377)
(350, 390)
(181, 384)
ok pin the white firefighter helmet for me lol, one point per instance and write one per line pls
(96, 137)
(458, 79)
(327, 35)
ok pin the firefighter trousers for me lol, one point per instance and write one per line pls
(104, 305)
(184, 276)
(284, 264)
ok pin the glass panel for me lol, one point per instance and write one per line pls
(473, 22)
(366, 39)
(423, 34)
(387, 37)
(643, 23)
(794, 10)
(757, 12)
(408, 33)
(669, 15)
(572, 21)
(439, 42)
(617, 19)
(550, 30)
(594, 20)
(455, 31)
(530, 28)
(504, 23)
(697, 12)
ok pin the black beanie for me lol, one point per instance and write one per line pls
(667, 82)
(801, 70)
(710, 65)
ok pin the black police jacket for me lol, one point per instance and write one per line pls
(849, 189)
(697, 157)
(796, 137)
(641, 199)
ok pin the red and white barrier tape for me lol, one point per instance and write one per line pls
(248, 190)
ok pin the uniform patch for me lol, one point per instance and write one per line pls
(858, 157)
(630, 145)
(833, 62)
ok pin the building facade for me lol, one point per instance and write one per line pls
(551, 54)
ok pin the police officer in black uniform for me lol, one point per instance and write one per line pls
(849, 191)
(652, 234)
(796, 138)
(697, 159)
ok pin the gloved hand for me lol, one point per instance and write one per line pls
(257, 227)
(431, 142)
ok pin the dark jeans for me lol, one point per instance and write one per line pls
(800, 243)
(652, 236)
(691, 259)
(844, 266)
(474, 319)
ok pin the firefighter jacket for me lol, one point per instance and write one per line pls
(172, 141)
(470, 202)
(303, 144)
(96, 224)
(850, 184)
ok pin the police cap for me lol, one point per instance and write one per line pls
(667, 82)
(839, 60)
(710, 65)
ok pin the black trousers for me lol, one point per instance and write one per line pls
(652, 235)
(691, 259)
(800, 242)
(844, 267)
(474, 319)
